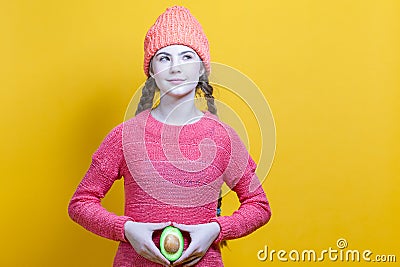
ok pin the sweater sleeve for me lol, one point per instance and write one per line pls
(85, 206)
(240, 176)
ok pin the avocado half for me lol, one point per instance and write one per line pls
(171, 243)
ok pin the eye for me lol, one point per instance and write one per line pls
(187, 56)
(163, 58)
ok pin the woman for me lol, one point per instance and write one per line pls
(174, 159)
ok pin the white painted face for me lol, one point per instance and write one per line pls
(176, 70)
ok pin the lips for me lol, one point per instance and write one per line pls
(176, 80)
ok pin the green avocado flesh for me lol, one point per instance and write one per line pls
(171, 243)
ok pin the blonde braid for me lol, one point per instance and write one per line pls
(148, 91)
(208, 91)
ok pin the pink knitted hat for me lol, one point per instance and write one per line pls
(176, 26)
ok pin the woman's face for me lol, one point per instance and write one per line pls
(176, 70)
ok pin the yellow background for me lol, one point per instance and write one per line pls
(329, 69)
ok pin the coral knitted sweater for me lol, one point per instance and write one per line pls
(171, 173)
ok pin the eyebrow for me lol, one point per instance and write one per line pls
(181, 53)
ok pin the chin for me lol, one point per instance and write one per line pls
(179, 91)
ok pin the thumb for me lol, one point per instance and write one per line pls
(183, 227)
(159, 226)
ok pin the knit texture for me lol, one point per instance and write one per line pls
(176, 26)
(165, 179)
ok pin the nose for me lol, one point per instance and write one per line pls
(175, 66)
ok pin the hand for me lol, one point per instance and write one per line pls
(140, 237)
(202, 236)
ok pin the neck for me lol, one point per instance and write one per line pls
(177, 111)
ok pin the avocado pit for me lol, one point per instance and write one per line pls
(171, 243)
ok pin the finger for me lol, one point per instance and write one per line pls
(159, 226)
(186, 256)
(157, 254)
(193, 262)
(155, 259)
(183, 227)
(190, 259)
